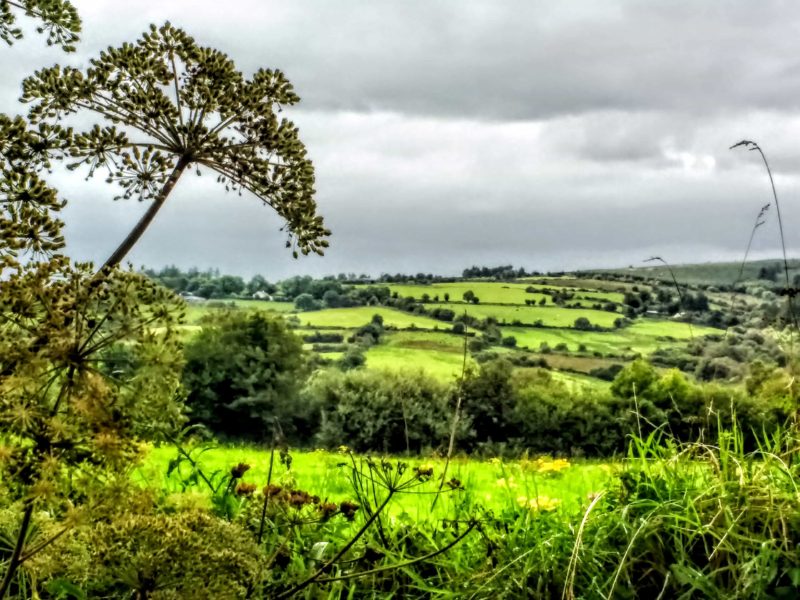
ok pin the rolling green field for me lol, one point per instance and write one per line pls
(361, 315)
(488, 292)
(195, 312)
(442, 364)
(492, 483)
(419, 342)
(491, 292)
(550, 316)
(642, 336)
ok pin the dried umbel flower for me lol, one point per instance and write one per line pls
(327, 509)
(424, 472)
(272, 490)
(239, 470)
(301, 498)
(58, 19)
(165, 106)
(66, 336)
(246, 489)
(348, 509)
(455, 484)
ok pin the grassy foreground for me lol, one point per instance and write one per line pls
(669, 520)
(492, 483)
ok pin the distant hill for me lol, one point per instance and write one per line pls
(766, 272)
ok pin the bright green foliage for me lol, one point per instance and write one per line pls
(552, 419)
(488, 401)
(635, 379)
(380, 410)
(166, 104)
(57, 18)
(242, 374)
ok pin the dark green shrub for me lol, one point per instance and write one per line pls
(353, 359)
(323, 338)
(509, 341)
(243, 372)
(386, 411)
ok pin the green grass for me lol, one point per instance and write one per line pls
(442, 364)
(643, 336)
(495, 292)
(577, 380)
(489, 292)
(611, 289)
(674, 329)
(361, 315)
(195, 312)
(611, 342)
(551, 316)
(573, 362)
(425, 340)
(493, 483)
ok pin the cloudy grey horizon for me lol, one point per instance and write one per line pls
(548, 135)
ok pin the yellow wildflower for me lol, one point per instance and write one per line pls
(545, 464)
(507, 483)
(540, 503)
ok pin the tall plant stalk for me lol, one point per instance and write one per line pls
(456, 417)
(16, 556)
(677, 288)
(758, 223)
(753, 146)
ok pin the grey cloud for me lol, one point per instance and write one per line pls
(512, 60)
(548, 134)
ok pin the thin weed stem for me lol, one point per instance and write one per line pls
(753, 146)
(456, 416)
(677, 288)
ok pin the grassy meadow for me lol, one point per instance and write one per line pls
(549, 316)
(492, 483)
(360, 315)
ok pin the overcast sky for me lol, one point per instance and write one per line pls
(551, 135)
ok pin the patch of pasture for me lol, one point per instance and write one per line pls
(486, 291)
(571, 362)
(673, 329)
(196, 311)
(610, 289)
(606, 342)
(361, 315)
(550, 316)
(575, 381)
(643, 336)
(443, 364)
(425, 340)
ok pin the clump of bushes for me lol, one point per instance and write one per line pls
(384, 411)
(243, 372)
(323, 338)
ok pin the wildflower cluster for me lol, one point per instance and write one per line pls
(545, 465)
(506, 483)
(539, 503)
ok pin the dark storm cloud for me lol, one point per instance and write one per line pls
(446, 133)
